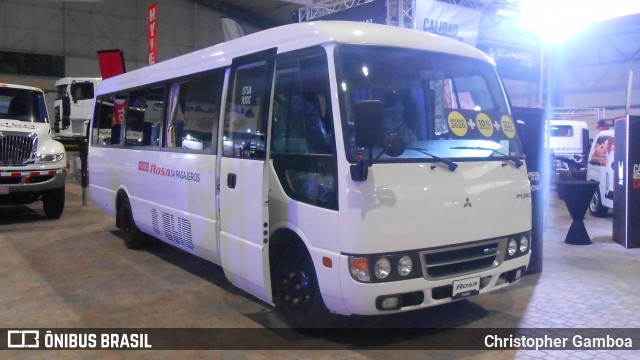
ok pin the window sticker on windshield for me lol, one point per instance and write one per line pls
(489, 125)
(484, 125)
(457, 123)
(507, 126)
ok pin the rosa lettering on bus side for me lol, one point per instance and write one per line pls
(336, 217)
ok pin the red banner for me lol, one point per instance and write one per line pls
(152, 33)
(111, 63)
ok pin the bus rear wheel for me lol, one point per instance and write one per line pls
(133, 238)
(297, 294)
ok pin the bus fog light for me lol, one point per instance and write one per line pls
(359, 268)
(524, 244)
(382, 268)
(405, 265)
(390, 303)
(513, 247)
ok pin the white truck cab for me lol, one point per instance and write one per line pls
(32, 163)
(600, 168)
(80, 90)
(569, 141)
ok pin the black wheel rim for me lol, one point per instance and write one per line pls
(297, 291)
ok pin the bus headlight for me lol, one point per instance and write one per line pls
(513, 247)
(382, 268)
(405, 265)
(49, 158)
(524, 244)
(359, 268)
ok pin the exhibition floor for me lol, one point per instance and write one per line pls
(75, 272)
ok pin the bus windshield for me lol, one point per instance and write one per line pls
(449, 106)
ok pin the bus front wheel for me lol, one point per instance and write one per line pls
(133, 238)
(297, 296)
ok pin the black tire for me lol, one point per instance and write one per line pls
(133, 238)
(53, 203)
(595, 206)
(297, 295)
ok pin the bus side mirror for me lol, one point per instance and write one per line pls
(66, 111)
(367, 133)
(368, 123)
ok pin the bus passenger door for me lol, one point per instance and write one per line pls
(244, 176)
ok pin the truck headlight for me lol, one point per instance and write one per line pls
(49, 158)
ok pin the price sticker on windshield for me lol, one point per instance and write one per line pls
(507, 126)
(457, 123)
(484, 125)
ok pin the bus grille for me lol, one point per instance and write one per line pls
(462, 259)
(17, 148)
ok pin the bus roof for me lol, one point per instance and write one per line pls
(287, 38)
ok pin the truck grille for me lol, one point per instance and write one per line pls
(17, 148)
(76, 126)
(462, 259)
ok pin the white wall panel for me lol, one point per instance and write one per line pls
(78, 30)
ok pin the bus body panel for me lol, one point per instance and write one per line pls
(422, 205)
(181, 214)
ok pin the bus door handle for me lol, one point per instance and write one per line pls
(231, 180)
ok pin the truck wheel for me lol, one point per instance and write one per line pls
(297, 294)
(595, 206)
(53, 203)
(133, 238)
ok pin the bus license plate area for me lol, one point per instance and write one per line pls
(4, 190)
(466, 287)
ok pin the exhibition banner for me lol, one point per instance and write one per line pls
(515, 49)
(152, 33)
(372, 12)
(111, 63)
(452, 21)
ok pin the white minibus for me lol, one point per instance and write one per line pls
(328, 167)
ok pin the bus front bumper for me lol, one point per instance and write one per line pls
(412, 294)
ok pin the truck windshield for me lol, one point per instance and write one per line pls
(449, 106)
(22, 104)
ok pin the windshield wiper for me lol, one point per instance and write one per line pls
(517, 162)
(452, 166)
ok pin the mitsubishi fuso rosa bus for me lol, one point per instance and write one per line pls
(328, 167)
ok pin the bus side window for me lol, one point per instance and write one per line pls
(202, 111)
(144, 116)
(108, 119)
(176, 109)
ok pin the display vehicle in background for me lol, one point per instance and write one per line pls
(569, 141)
(601, 168)
(330, 167)
(70, 124)
(32, 163)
